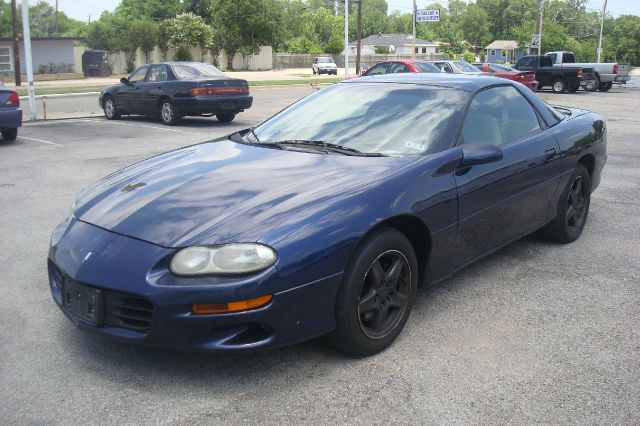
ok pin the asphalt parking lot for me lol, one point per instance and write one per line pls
(536, 333)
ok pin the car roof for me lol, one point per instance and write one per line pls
(469, 83)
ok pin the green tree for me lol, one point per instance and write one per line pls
(623, 42)
(189, 30)
(260, 25)
(155, 10)
(475, 26)
(554, 36)
(144, 34)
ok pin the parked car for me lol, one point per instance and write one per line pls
(10, 113)
(324, 65)
(172, 90)
(456, 67)
(527, 78)
(401, 66)
(605, 73)
(560, 79)
(325, 218)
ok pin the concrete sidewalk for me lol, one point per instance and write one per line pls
(279, 75)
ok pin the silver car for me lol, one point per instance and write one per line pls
(457, 67)
(324, 65)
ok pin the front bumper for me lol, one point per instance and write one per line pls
(196, 105)
(121, 265)
(10, 118)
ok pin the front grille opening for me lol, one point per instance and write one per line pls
(127, 311)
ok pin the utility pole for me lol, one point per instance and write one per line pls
(56, 16)
(346, 38)
(16, 43)
(413, 43)
(539, 26)
(358, 36)
(26, 35)
(604, 9)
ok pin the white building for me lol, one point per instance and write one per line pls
(396, 44)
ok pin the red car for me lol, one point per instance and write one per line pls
(525, 77)
(399, 66)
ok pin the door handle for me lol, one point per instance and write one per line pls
(552, 153)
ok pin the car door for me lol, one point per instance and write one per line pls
(129, 97)
(503, 200)
(153, 88)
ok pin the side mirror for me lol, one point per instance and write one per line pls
(124, 80)
(479, 153)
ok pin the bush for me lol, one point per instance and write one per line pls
(469, 57)
(183, 54)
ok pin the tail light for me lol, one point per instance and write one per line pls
(13, 99)
(216, 91)
(615, 68)
(580, 73)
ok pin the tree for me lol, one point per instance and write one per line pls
(475, 26)
(623, 43)
(242, 26)
(144, 34)
(189, 30)
(155, 10)
(554, 36)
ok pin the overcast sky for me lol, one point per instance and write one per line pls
(81, 9)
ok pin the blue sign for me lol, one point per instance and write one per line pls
(428, 15)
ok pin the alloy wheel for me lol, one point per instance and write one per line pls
(384, 295)
(109, 108)
(167, 112)
(576, 203)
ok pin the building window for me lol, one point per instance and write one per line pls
(6, 63)
(424, 50)
(492, 53)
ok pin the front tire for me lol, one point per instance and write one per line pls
(376, 295)
(225, 117)
(9, 135)
(573, 208)
(168, 113)
(111, 112)
(559, 85)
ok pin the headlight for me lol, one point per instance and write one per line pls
(225, 259)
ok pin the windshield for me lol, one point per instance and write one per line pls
(383, 118)
(325, 60)
(196, 70)
(465, 66)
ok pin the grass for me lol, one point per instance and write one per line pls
(22, 91)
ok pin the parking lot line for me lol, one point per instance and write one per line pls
(40, 140)
(144, 125)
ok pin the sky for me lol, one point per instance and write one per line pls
(82, 9)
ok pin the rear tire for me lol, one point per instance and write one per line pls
(10, 135)
(225, 117)
(168, 113)
(572, 210)
(592, 87)
(559, 85)
(376, 295)
(111, 112)
(604, 87)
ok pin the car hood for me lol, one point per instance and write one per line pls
(222, 191)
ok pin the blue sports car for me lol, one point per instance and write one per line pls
(325, 218)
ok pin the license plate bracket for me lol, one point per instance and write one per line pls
(83, 302)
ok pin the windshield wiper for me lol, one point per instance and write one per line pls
(330, 147)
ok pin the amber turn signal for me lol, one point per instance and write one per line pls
(224, 308)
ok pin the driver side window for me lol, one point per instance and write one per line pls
(499, 116)
(138, 75)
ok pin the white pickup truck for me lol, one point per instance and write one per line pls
(606, 73)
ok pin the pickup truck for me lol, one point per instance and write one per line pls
(606, 73)
(559, 78)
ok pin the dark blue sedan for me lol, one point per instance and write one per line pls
(172, 90)
(10, 114)
(324, 219)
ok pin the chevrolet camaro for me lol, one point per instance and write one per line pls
(325, 218)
